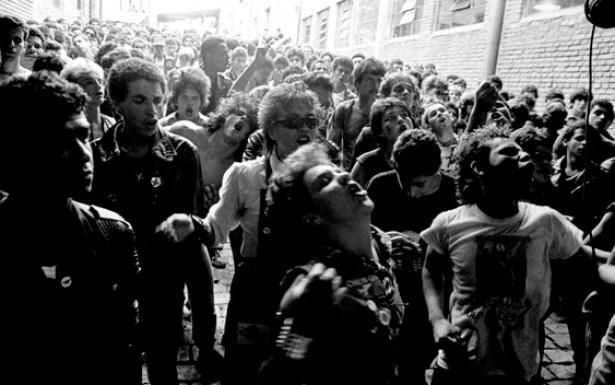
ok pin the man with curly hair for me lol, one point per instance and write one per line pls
(220, 144)
(189, 94)
(146, 173)
(499, 251)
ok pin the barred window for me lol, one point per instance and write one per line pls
(323, 18)
(343, 23)
(406, 17)
(367, 21)
(456, 13)
(307, 30)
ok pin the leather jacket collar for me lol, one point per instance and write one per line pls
(109, 147)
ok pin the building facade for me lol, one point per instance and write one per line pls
(541, 42)
(40, 9)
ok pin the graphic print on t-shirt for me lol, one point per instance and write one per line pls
(501, 271)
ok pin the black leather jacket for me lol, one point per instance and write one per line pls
(77, 319)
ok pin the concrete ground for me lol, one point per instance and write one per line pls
(558, 367)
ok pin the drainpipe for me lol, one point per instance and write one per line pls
(493, 36)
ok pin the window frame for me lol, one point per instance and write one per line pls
(474, 8)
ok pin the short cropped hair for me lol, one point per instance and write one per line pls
(606, 104)
(473, 150)
(281, 60)
(125, 72)
(56, 101)
(416, 152)
(208, 44)
(532, 89)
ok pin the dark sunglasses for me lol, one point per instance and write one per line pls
(296, 122)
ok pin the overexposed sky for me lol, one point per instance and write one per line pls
(170, 6)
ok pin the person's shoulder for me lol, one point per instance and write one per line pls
(366, 157)
(100, 213)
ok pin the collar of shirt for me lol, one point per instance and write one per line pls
(163, 147)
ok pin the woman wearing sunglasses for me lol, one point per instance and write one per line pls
(287, 116)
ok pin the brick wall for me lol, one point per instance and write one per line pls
(545, 50)
(553, 52)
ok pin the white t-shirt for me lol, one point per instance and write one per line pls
(502, 280)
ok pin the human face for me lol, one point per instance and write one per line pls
(598, 118)
(295, 61)
(236, 129)
(509, 170)
(308, 51)
(357, 61)
(12, 44)
(80, 42)
(74, 172)
(92, 84)
(438, 118)
(90, 34)
(142, 107)
(239, 64)
(328, 59)
(341, 75)
(576, 144)
(262, 75)
(498, 115)
(405, 92)
(219, 57)
(34, 48)
(419, 186)
(288, 139)
(369, 85)
(188, 41)
(171, 49)
(189, 104)
(395, 120)
(579, 107)
(397, 67)
(440, 93)
(322, 68)
(336, 198)
(139, 45)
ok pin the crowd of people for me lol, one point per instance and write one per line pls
(385, 220)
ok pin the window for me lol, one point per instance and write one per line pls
(455, 13)
(343, 23)
(79, 4)
(539, 6)
(323, 18)
(57, 3)
(307, 29)
(406, 16)
(367, 21)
